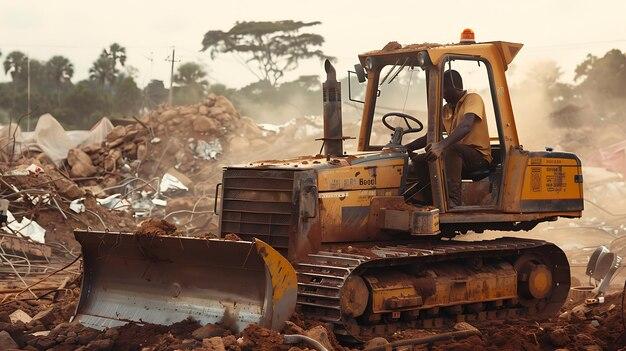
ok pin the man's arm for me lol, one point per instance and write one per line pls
(434, 151)
(416, 144)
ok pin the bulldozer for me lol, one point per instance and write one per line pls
(353, 239)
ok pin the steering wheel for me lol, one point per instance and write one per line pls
(406, 120)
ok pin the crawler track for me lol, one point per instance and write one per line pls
(322, 276)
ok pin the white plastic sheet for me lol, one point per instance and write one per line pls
(169, 182)
(25, 228)
(51, 138)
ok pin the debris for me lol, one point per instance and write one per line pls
(208, 150)
(20, 316)
(114, 202)
(375, 342)
(559, 337)
(77, 205)
(7, 342)
(26, 228)
(320, 334)
(170, 182)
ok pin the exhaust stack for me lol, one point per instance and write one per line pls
(331, 95)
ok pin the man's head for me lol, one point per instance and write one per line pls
(452, 86)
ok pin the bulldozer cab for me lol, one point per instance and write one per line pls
(408, 81)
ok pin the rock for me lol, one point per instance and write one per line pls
(203, 110)
(45, 342)
(44, 316)
(215, 343)
(230, 341)
(595, 323)
(223, 118)
(129, 148)
(100, 345)
(215, 110)
(66, 187)
(6, 341)
(293, 328)
(580, 312)
(376, 342)
(320, 334)
(142, 151)
(81, 170)
(203, 124)
(75, 156)
(208, 331)
(111, 333)
(228, 107)
(86, 336)
(20, 316)
(167, 115)
(117, 132)
(188, 110)
(41, 333)
(558, 337)
(110, 161)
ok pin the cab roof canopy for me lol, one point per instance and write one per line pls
(393, 51)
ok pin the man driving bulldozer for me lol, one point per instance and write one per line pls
(466, 149)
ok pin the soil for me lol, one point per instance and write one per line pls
(262, 339)
(156, 227)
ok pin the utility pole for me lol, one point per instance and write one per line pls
(172, 60)
(28, 93)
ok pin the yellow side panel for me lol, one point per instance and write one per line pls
(378, 174)
(551, 179)
(344, 214)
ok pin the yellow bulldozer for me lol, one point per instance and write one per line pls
(354, 239)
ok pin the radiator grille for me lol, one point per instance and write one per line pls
(259, 203)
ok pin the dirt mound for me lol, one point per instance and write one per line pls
(156, 227)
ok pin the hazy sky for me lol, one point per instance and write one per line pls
(564, 31)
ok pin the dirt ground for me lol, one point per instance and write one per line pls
(579, 327)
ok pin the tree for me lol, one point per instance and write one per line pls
(604, 75)
(60, 71)
(117, 53)
(127, 96)
(103, 70)
(275, 47)
(190, 73)
(15, 62)
(191, 84)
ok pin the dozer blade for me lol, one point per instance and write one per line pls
(163, 280)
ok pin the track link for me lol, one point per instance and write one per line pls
(322, 276)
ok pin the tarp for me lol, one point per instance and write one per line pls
(51, 138)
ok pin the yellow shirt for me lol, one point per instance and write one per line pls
(478, 137)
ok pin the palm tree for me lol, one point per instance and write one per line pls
(103, 70)
(60, 71)
(117, 53)
(15, 62)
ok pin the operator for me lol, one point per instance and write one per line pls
(466, 149)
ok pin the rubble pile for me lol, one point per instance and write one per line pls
(54, 206)
(167, 163)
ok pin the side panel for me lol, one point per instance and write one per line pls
(345, 195)
(552, 182)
